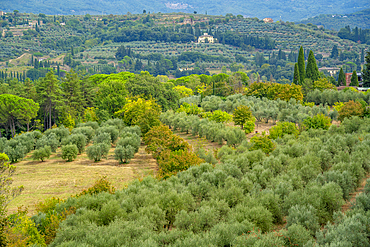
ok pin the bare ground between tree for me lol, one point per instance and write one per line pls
(347, 206)
(57, 178)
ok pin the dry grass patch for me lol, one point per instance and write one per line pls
(58, 178)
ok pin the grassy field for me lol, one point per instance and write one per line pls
(58, 178)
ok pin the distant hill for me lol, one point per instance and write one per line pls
(359, 19)
(287, 10)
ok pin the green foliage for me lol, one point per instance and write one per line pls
(312, 71)
(341, 78)
(190, 109)
(354, 79)
(130, 139)
(124, 153)
(305, 216)
(320, 121)
(249, 126)
(220, 116)
(111, 130)
(15, 153)
(41, 153)
(102, 138)
(263, 143)
(140, 112)
(296, 78)
(60, 132)
(69, 152)
(77, 139)
(301, 66)
(97, 151)
(242, 115)
(350, 109)
(50, 140)
(283, 128)
(87, 131)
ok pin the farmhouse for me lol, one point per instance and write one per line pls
(205, 38)
(268, 20)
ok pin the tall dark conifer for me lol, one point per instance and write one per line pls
(296, 74)
(301, 65)
(341, 78)
(312, 71)
(354, 79)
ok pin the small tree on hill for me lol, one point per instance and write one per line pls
(41, 153)
(242, 114)
(69, 152)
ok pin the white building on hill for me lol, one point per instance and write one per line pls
(204, 37)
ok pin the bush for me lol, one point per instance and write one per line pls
(305, 216)
(220, 116)
(242, 115)
(319, 121)
(111, 130)
(124, 153)
(102, 138)
(249, 126)
(15, 154)
(51, 140)
(88, 131)
(41, 153)
(263, 143)
(283, 128)
(77, 139)
(130, 139)
(350, 109)
(93, 125)
(60, 133)
(117, 122)
(132, 129)
(97, 151)
(69, 152)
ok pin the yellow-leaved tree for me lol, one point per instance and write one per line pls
(183, 91)
(141, 112)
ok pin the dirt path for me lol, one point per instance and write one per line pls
(347, 206)
(197, 142)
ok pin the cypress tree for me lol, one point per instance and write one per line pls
(296, 74)
(354, 79)
(312, 71)
(301, 65)
(341, 78)
(366, 71)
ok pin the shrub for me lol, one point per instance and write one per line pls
(131, 139)
(41, 153)
(171, 162)
(124, 153)
(263, 143)
(132, 129)
(102, 138)
(305, 216)
(88, 131)
(350, 109)
(69, 152)
(93, 125)
(242, 115)
(319, 121)
(60, 133)
(117, 122)
(249, 126)
(111, 130)
(77, 139)
(220, 116)
(97, 151)
(283, 128)
(15, 154)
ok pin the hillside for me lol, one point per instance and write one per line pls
(359, 19)
(285, 10)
